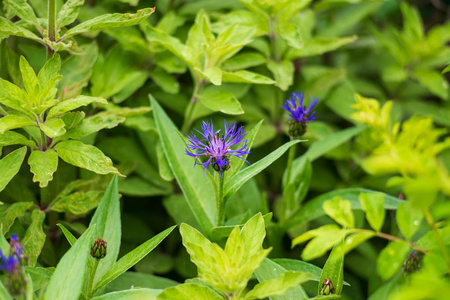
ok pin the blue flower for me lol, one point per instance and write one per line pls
(297, 111)
(10, 263)
(299, 115)
(216, 147)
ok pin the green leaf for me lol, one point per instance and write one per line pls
(69, 12)
(340, 211)
(278, 286)
(194, 290)
(85, 156)
(235, 162)
(130, 259)
(220, 100)
(242, 176)
(4, 294)
(43, 165)
(109, 21)
(133, 293)
(10, 165)
(24, 11)
(214, 74)
(334, 269)
(323, 239)
(253, 234)
(271, 270)
(13, 138)
(78, 203)
(291, 33)
(68, 278)
(69, 236)
(244, 61)
(408, 219)
(30, 81)
(245, 77)
(9, 213)
(283, 73)
(8, 28)
(71, 104)
(373, 206)
(433, 81)
(391, 259)
(53, 128)
(446, 70)
(109, 228)
(12, 122)
(40, 276)
(170, 43)
(196, 189)
(318, 46)
(313, 208)
(34, 237)
(163, 164)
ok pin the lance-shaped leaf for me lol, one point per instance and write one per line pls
(373, 205)
(29, 78)
(313, 208)
(8, 28)
(319, 46)
(195, 187)
(8, 214)
(85, 156)
(270, 270)
(283, 72)
(69, 12)
(4, 294)
(24, 11)
(279, 285)
(221, 100)
(242, 176)
(67, 280)
(34, 237)
(78, 203)
(12, 122)
(109, 228)
(340, 211)
(109, 21)
(43, 164)
(194, 290)
(10, 165)
(53, 128)
(13, 138)
(71, 104)
(246, 77)
(334, 270)
(130, 259)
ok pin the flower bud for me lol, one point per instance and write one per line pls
(297, 129)
(327, 287)
(412, 263)
(98, 249)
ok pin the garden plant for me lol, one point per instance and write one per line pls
(219, 150)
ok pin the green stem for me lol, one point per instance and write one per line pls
(51, 28)
(190, 109)
(220, 203)
(90, 282)
(289, 165)
(432, 225)
(44, 196)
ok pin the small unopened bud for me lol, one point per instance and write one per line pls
(297, 129)
(327, 287)
(98, 249)
(412, 263)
